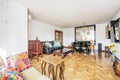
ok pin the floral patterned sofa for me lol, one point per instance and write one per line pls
(20, 68)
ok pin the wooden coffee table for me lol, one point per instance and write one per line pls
(63, 52)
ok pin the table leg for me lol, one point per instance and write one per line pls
(62, 71)
(42, 66)
(37, 57)
(55, 73)
(49, 69)
(61, 74)
(52, 71)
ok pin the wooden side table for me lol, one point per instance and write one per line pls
(54, 65)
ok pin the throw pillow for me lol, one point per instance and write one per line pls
(12, 61)
(56, 44)
(47, 44)
(24, 62)
(19, 62)
(10, 74)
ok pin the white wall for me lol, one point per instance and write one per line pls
(117, 15)
(0, 20)
(46, 32)
(14, 27)
(43, 31)
(68, 36)
(100, 36)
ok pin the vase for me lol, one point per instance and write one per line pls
(113, 57)
(37, 38)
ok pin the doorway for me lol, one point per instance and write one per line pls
(59, 36)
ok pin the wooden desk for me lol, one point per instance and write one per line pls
(54, 63)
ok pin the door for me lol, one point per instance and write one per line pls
(59, 36)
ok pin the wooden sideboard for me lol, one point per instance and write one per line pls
(35, 48)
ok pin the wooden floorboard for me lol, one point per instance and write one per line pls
(79, 66)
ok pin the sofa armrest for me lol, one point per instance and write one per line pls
(36, 75)
(47, 50)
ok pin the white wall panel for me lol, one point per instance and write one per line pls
(0, 21)
(43, 31)
(14, 27)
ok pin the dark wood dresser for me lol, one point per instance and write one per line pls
(35, 48)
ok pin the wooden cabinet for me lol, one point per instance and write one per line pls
(35, 48)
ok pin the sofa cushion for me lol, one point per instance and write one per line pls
(12, 61)
(48, 44)
(56, 44)
(19, 61)
(36, 75)
(10, 74)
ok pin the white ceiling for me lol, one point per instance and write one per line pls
(72, 13)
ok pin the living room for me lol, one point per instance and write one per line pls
(21, 21)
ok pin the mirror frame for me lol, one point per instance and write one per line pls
(84, 27)
(114, 30)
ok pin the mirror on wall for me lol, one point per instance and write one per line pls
(116, 32)
(85, 33)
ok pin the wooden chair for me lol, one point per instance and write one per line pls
(35, 48)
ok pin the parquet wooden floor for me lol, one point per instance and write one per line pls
(79, 66)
